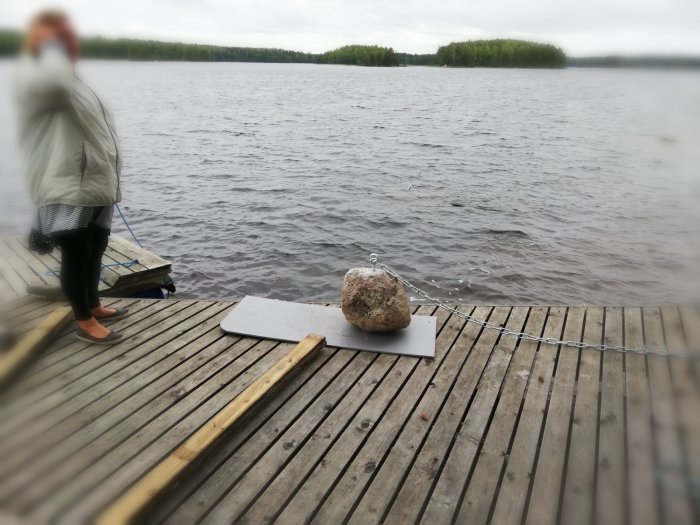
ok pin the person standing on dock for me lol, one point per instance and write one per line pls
(72, 162)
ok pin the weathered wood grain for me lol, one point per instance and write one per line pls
(475, 504)
(494, 429)
(33, 342)
(157, 480)
(512, 497)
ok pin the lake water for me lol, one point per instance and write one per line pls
(483, 186)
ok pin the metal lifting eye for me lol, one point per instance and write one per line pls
(373, 258)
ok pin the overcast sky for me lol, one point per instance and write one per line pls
(580, 27)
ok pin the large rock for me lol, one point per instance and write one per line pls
(374, 301)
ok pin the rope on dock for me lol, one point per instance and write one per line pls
(128, 227)
(125, 264)
(374, 260)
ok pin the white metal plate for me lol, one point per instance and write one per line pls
(287, 321)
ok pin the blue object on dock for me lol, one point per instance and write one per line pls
(288, 321)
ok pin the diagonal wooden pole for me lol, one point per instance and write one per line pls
(137, 498)
(38, 338)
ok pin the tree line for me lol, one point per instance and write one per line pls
(152, 50)
(131, 49)
(639, 62)
(494, 53)
(477, 53)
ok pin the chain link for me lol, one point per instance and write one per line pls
(374, 260)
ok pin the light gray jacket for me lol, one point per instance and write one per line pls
(70, 145)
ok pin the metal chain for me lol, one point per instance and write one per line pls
(374, 259)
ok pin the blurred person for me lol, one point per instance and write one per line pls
(72, 167)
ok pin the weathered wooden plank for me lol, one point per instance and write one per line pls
(451, 421)
(512, 496)
(34, 263)
(456, 434)
(150, 265)
(27, 322)
(337, 437)
(482, 486)
(20, 306)
(611, 495)
(168, 470)
(134, 394)
(383, 485)
(257, 465)
(148, 280)
(79, 393)
(579, 488)
(687, 401)
(20, 267)
(130, 251)
(7, 292)
(61, 346)
(690, 317)
(156, 424)
(88, 377)
(258, 434)
(115, 267)
(50, 261)
(48, 274)
(640, 440)
(95, 486)
(125, 265)
(49, 271)
(674, 509)
(64, 347)
(139, 416)
(545, 494)
(67, 346)
(117, 276)
(11, 277)
(39, 386)
(362, 447)
(132, 275)
(691, 322)
(33, 342)
(310, 437)
(54, 364)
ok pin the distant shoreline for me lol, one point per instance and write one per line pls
(496, 53)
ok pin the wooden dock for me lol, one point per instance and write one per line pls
(127, 269)
(492, 430)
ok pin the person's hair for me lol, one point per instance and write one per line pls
(46, 17)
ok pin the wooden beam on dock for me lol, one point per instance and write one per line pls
(128, 506)
(34, 341)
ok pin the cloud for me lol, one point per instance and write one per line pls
(591, 27)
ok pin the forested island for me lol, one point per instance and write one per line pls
(500, 53)
(360, 56)
(477, 53)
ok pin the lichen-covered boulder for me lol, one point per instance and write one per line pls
(374, 301)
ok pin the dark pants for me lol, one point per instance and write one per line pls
(81, 264)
